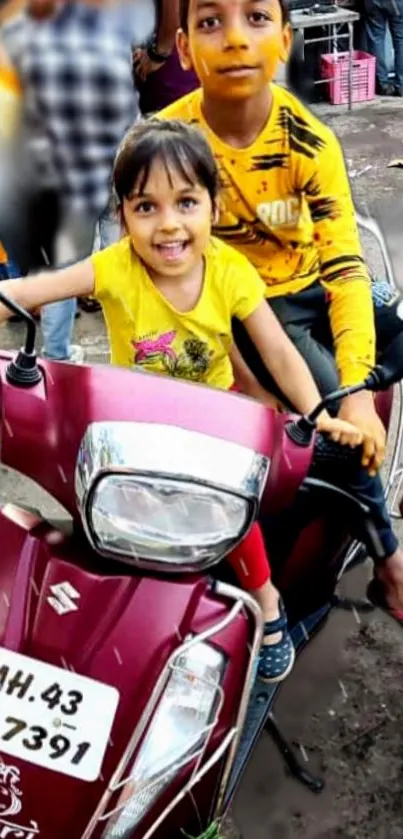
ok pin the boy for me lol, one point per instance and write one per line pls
(286, 204)
(286, 201)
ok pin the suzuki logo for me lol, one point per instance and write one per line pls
(63, 598)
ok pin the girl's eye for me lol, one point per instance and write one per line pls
(144, 207)
(259, 17)
(187, 203)
(209, 23)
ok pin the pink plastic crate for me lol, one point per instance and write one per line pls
(335, 68)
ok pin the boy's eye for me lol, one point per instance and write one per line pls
(209, 22)
(187, 203)
(144, 207)
(259, 17)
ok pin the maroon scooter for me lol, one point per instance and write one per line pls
(129, 704)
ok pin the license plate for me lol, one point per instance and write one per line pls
(53, 717)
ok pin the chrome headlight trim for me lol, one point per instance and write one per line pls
(148, 450)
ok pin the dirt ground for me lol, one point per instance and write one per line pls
(342, 706)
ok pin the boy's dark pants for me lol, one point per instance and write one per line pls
(304, 317)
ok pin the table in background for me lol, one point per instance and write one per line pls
(334, 21)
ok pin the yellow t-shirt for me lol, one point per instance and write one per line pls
(10, 107)
(10, 102)
(145, 330)
(3, 255)
(286, 205)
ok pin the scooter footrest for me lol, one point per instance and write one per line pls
(262, 700)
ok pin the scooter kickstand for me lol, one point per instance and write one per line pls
(294, 766)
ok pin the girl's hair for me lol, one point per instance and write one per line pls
(178, 146)
(185, 6)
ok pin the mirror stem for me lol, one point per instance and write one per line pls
(337, 395)
(26, 317)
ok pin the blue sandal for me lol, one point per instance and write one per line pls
(276, 660)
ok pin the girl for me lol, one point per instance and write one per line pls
(169, 292)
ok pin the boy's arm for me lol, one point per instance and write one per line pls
(292, 375)
(343, 273)
(323, 179)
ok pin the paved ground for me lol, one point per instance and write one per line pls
(343, 703)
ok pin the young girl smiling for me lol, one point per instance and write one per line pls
(169, 291)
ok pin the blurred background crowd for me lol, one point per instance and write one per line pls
(74, 74)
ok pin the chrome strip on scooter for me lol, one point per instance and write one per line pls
(242, 600)
(392, 484)
(395, 470)
(234, 735)
(198, 756)
(230, 591)
(392, 489)
(186, 789)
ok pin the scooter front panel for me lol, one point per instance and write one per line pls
(111, 627)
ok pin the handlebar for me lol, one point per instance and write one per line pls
(356, 513)
(329, 453)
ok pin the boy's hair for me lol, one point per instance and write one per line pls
(185, 5)
(178, 146)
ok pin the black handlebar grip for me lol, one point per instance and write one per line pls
(329, 453)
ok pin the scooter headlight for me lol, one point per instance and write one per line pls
(165, 520)
(178, 734)
(163, 497)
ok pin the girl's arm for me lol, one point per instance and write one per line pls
(49, 287)
(291, 373)
(248, 384)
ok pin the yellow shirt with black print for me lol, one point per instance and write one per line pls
(286, 204)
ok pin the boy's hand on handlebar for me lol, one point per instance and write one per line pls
(359, 409)
(340, 431)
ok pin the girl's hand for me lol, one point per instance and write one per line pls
(340, 431)
(256, 391)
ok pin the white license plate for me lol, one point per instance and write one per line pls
(53, 717)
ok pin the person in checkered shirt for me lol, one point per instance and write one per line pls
(76, 72)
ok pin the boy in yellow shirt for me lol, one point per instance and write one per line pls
(286, 204)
